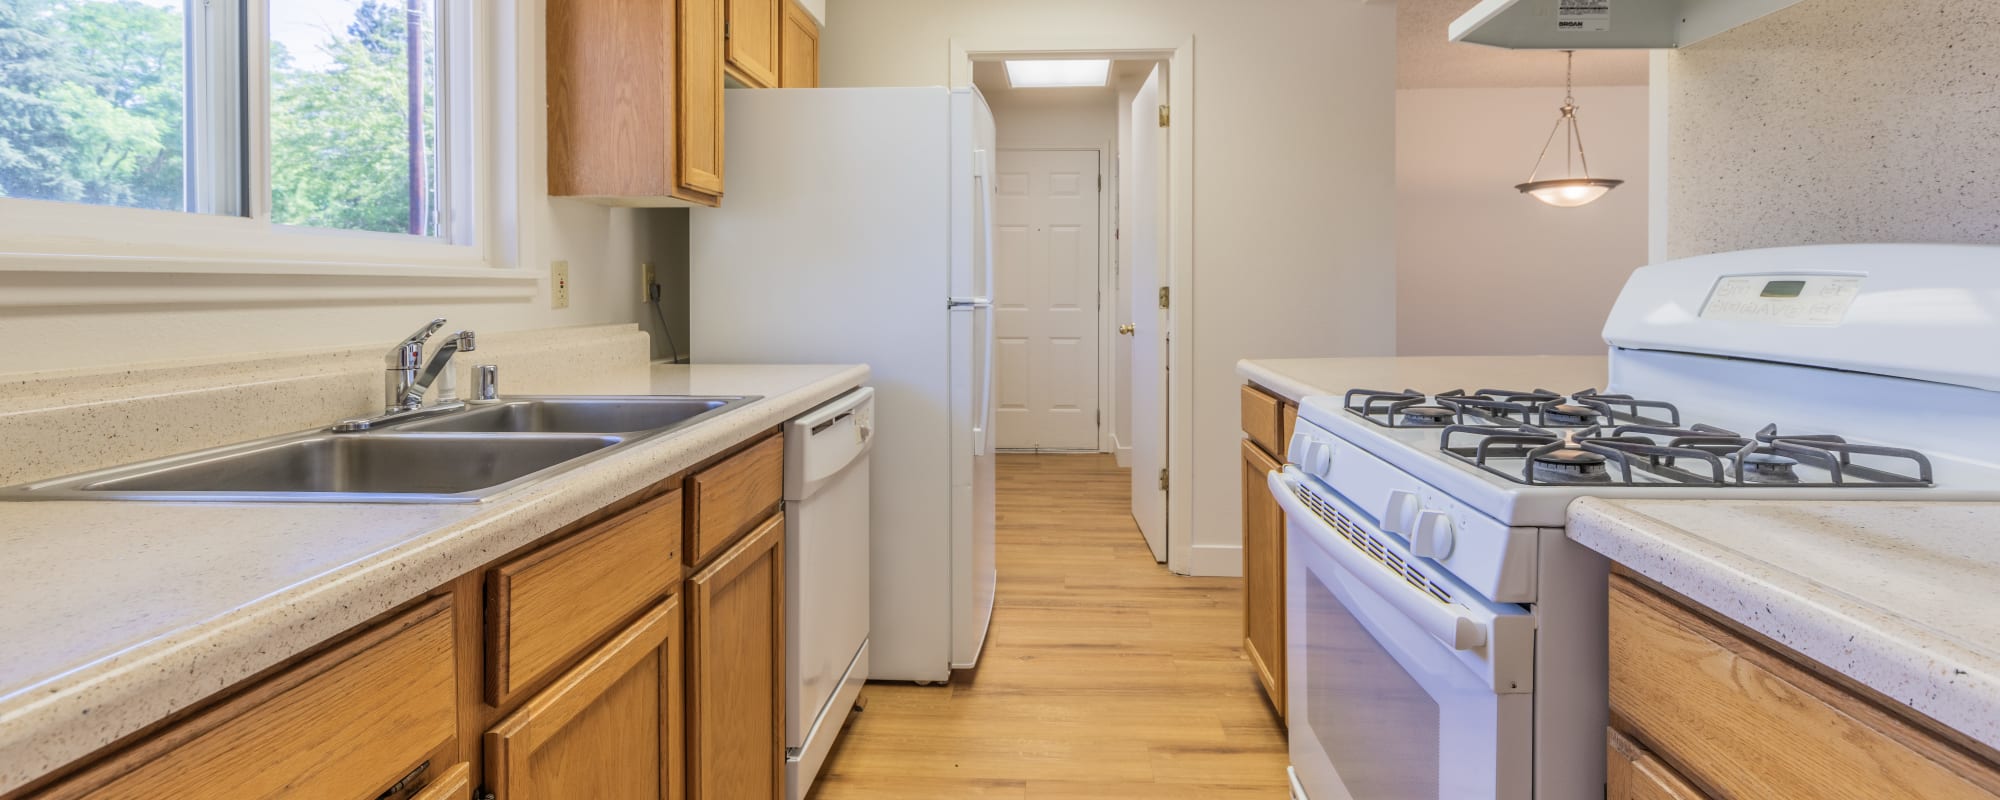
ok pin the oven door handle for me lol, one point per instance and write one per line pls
(1456, 630)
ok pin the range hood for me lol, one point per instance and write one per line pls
(1604, 24)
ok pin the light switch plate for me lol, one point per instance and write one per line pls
(559, 284)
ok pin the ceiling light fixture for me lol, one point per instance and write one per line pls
(1057, 74)
(1567, 192)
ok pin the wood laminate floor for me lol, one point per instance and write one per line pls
(1104, 675)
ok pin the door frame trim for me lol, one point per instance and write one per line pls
(1179, 58)
(1106, 355)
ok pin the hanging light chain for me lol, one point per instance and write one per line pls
(1573, 138)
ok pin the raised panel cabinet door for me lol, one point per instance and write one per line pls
(454, 784)
(609, 728)
(753, 40)
(798, 49)
(1631, 773)
(1263, 575)
(698, 107)
(736, 671)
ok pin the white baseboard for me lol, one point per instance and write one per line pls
(1124, 456)
(1216, 561)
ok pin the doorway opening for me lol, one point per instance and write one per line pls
(1093, 202)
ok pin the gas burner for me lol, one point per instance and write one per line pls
(1570, 465)
(1428, 416)
(1769, 468)
(1569, 414)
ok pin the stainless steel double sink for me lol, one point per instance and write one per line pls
(461, 456)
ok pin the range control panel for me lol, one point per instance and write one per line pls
(1782, 299)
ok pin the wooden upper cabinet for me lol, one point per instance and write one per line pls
(609, 728)
(1263, 575)
(348, 723)
(753, 41)
(635, 101)
(700, 96)
(736, 671)
(798, 49)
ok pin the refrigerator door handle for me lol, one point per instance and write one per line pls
(984, 424)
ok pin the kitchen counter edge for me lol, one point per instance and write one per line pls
(73, 713)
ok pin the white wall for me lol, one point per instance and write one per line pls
(603, 246)
(1294, 131)
(1481, 268)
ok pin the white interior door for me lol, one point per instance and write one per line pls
(1046, 308)
(1148, 163)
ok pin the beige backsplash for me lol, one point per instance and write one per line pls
(59, 423)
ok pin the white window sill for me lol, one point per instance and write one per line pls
(44, 281)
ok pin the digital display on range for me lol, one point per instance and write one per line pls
(1783, 289)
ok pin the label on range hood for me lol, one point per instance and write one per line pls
(1588, 16)
(1782, 299)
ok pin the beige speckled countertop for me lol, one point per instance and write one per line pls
(1902, 597)
(1295, 378)
(114, 615)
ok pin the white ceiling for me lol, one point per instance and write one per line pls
(991, 78)
(1427, 59)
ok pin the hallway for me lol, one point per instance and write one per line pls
(1104, 675)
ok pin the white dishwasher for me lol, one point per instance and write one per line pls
(826, 577)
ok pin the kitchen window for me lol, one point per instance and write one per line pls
(299, 133)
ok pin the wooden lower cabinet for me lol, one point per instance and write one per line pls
(1631, 773)
(1263, 575)
(736, 670)
(609, 728)
(348, 723)
(1740, 719)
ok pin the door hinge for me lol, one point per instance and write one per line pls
(1100, 418)
(1163, 297)
(1100, 183)
(725, 32)
(1164, 116)
(1163, 479)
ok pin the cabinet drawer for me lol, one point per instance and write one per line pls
(546, 608)
(1741, 721)
(345, 724)
(1262, 420)
(1291, 422)
(728, 499)
(1631, 773)
(454, 784)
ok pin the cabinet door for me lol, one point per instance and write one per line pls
(753, 40)
(611, 727)
(798, 46)
(1631, 773)
(1263, 575)
(736, 669)
(699, 97)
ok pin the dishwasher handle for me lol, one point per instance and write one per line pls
(824, 442)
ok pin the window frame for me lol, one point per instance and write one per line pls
(47, 246)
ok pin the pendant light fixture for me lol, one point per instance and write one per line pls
(1571, 191)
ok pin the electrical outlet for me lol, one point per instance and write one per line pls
(559, 284)
(646, 281)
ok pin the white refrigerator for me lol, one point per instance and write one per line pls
(857, 227)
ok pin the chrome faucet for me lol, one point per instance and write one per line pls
(460, 342)
(407, 378)
(403, 363)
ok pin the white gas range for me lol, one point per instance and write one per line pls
(1446, 640)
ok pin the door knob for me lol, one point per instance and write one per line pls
(1127, 329)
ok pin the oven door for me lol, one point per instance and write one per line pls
(1403, 683)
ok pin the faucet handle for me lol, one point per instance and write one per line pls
(423, 334)
(485, 383)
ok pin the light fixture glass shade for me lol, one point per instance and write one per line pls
(1042, 74)
(1569, 192)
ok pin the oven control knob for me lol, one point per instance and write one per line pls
(1432, 538)
(1319, 459)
